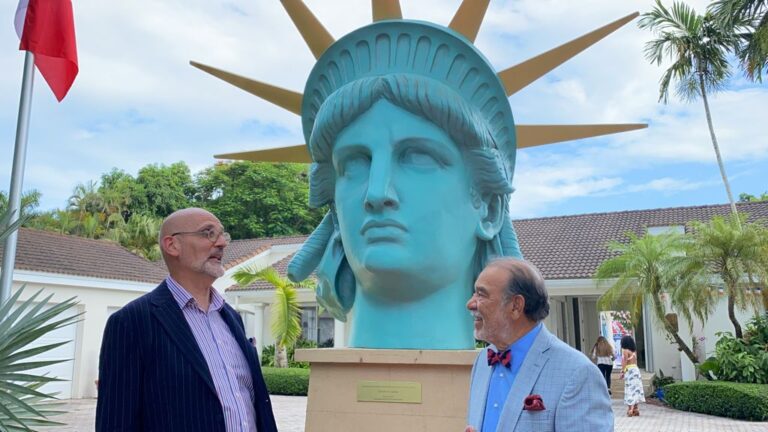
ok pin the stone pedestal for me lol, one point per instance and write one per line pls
(354, 390)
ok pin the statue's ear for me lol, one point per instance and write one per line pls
(492, 217)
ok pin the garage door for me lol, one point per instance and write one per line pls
(63, 370)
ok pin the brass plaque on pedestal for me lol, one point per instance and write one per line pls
(389, 391)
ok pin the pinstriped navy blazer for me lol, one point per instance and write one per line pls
(153, 377)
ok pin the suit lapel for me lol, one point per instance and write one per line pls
(480, 384)
(170, 316)
(527, 376)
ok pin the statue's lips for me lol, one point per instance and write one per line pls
(383, 226)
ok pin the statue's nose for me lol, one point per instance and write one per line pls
(381, 192)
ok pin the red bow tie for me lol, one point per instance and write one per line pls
(505, 358)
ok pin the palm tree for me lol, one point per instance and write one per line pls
(698, 47)
(86, 199)
(736, 252)
(286, 314)
(649, 268)
(749, 19)
(66, 222)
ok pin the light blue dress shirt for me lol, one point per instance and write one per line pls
(502, 379)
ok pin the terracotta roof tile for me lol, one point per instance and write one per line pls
(572, 247)
(241, 250)
(282, 269)
(51, 252)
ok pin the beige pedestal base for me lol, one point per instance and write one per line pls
(333, 403)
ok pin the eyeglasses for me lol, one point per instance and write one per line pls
(211, 235)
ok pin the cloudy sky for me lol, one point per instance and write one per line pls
(137, 101)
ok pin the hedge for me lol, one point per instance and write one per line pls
(720, 398)
(286, 381)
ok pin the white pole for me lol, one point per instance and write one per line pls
(17, 175)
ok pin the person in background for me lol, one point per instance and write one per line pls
(602, 355)
(630, 373)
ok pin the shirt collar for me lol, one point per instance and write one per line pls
(520, 347)
(184, 298)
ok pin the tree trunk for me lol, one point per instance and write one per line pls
(715, 145)
(732, 315)
(681, 345)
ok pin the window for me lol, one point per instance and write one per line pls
(666, 229)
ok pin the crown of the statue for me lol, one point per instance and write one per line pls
(419, 48)
(393, 45)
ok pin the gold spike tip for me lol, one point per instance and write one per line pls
(281, 97)
(469, 17)
(294, 154)
(386, 9)
(537, 135)
(518, 77)
(312, 31)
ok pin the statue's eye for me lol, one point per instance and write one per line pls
(355, 164)
(419, 158)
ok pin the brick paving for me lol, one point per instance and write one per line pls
(290, 414)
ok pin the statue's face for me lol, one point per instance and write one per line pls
(404, 206)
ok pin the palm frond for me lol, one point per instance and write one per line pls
(23, 405)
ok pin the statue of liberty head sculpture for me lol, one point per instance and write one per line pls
(412, 145)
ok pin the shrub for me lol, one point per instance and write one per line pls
(720, 398)
(286, 381)
(743, 360)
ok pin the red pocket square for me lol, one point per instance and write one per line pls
(533, 403)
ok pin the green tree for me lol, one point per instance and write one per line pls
(139, 235)
(698, 47)
(259, 199)
(286, 314)
(736, 253)
(30, 200)
(122, 194)
(745, 197)
(167, 188)
(749, 20)
(85, 199)
(649, 268)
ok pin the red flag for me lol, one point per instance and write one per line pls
(49, 33)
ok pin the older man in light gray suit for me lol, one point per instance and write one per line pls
(528, 380)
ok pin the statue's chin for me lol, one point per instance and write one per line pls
(392, 279)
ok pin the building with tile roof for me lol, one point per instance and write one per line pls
(567, 250)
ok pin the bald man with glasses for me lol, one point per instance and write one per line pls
(177, 359)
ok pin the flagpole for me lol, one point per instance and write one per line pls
(17, 175)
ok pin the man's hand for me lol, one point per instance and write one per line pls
(470, 429)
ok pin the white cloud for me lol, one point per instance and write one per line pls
(137, 100)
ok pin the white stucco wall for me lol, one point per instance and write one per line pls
(676, 363)
(96, 296)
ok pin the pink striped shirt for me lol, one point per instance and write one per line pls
(226, 361)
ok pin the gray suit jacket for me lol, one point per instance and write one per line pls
(573, 391)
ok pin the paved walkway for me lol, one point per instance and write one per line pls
(290, 413)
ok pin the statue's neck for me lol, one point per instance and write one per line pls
(438, 321)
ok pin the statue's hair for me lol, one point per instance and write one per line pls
(421, 96)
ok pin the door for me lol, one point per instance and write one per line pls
(590, 323)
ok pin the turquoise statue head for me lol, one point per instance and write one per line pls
(413, 144)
